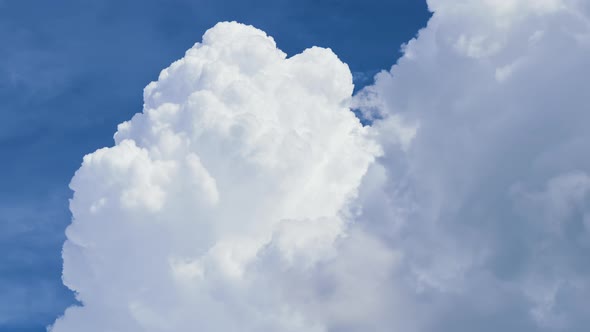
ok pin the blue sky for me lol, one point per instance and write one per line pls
(72, 70)
(248, 197)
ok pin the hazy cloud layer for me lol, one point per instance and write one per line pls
(247, 197)
(488, 204)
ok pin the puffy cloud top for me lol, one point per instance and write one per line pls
(239, 151)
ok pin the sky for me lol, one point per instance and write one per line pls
(427, 172)
(72, 70)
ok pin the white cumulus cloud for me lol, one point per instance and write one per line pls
(240, 156)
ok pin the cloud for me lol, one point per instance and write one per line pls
(242, 161)
(487, 201)
(248, 197)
